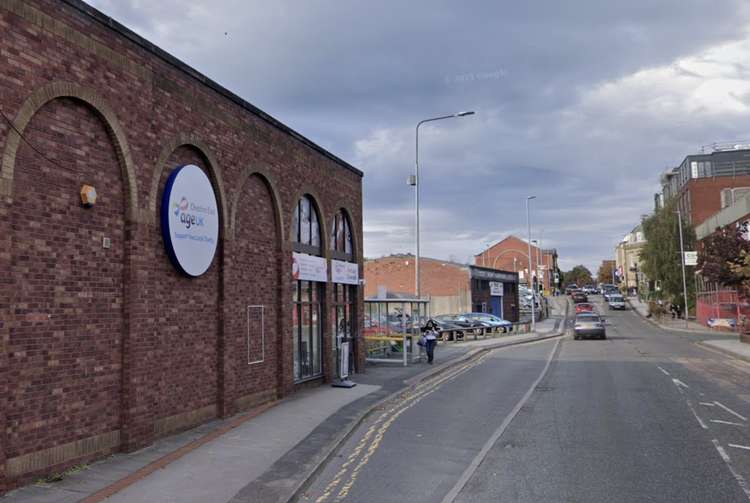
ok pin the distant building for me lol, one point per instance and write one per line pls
(512, 254)
(627, 260)
(452, 288)
(705, 183)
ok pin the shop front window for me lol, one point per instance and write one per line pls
(344, 295)
(306, 296)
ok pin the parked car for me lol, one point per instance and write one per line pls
(589, 325)
(584, 307)
(616, 302)
(579, 296)
(570, 288)
(448, 329)
(490, 319)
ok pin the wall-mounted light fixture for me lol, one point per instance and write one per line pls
(88, 196)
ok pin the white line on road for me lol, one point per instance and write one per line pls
(708, 404)
(725, 422)
(739, 478)
(467, 474)
(679, 383)
(700, 421)
(735, 414)
(665, 372)
(737, 446)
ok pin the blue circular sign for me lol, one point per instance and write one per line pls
(190, 220)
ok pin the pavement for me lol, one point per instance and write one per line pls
(270, 453)
(645, 415)
(719, 340)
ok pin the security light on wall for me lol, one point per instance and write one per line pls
(88, 196)
(412, 180)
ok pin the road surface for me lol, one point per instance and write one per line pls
(646, 415)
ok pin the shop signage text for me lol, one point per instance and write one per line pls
(309, 267)
(190, 220)
(344, 272)
(496, 289)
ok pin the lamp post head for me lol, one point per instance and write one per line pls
(463, 114)
(529, 198)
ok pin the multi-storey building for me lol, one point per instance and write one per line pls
(627, 260)
(705, 183)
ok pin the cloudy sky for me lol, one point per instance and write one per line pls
(582, 103)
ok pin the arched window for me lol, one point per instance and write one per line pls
(305, 227)
(307, 295)
(343, 313)
(341, 237)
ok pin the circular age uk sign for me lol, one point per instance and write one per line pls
(190, 220)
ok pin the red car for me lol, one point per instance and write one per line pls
(584, 307)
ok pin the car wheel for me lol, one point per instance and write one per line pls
(576, 337)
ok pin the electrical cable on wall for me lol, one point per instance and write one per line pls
(27, 142)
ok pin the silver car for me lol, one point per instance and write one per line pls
(589, 325)
(616, 302)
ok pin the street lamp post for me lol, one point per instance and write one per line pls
(682, 260)
(533, 297)
(416, 193)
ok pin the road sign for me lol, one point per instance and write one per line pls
(691, 258)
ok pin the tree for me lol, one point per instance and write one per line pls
(660, 257)
(605, 273)
(723, 255)
(579, 275)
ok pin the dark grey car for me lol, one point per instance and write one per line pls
(589, 325)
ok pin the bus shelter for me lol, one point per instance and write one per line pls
(392, 329)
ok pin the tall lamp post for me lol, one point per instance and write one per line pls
(533, 297)
(682, 259)
(416, 194)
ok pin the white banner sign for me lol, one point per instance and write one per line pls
(691, 258)
(309, 267)
(344, 272)
(190, 220)
(496, 289)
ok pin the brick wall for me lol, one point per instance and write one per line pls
(107, 348)
(437, 277)
(705, 195)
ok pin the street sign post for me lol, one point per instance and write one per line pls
(691, 258)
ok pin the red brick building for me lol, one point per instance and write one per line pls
(104, 344)
(452, 288)
(705, 183)
(512, 254)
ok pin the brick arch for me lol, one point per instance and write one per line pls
(270, 184)
(188, 140)
(322, 218)
(44, 95)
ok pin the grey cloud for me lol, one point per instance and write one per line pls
(341, 71)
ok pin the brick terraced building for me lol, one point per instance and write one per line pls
(104, 344)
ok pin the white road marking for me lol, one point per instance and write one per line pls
(665, 372)
(737, 446)
(679, 383)
(722, 452)
(739, 478)
(467, 474)
(700, 421)
(735, 414)
(708, 404)
(725, 422)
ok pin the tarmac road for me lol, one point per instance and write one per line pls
(645, 415)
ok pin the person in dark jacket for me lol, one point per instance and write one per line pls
(430, 335)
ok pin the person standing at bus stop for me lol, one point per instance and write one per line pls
(430, 336)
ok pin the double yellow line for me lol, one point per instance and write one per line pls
(347, 475)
